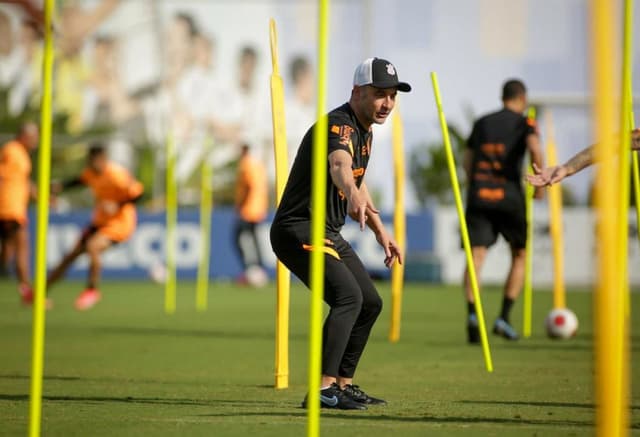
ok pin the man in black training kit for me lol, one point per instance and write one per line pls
(349, 291)
(495, 201)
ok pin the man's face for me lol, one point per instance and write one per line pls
(247, 68)
(30, 137)
(375, 104)
(522, 103)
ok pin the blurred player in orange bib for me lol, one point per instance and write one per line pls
(114, 218)
(252, 203)
(15, 190)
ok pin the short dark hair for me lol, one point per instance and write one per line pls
(513, 88)
(96, 149)
(248, 51)
(299, 65)
(189, 21)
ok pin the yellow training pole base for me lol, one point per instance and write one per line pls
(463, 224)
(399, 225)
(171, 218)
(555, 222)
(396, 303)
(282, 326)
(527, 299)
(206, 208)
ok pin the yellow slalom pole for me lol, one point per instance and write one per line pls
(609, 337)
(628, 90)
(399, 225)
(463, 224)
(283, 277)
(42, 223)
(171, 218)
(527, 301)
(206, 208)
(318, 219)
(555, 220)
(624, 161)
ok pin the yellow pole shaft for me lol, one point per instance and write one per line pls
(282, 169)
(636, 186)
(42, 222)
(527, 300)
(318, 219)
(171, 218)
(463, 224)
(206, 208)
(555, 222)
(399, 225)
(609, 340)
(632, 124)
(624, 161)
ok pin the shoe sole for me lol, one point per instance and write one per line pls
(360, 407)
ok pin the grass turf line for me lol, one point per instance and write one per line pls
(125, 368)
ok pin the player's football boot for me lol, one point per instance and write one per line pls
(473, 332)
(358, 395)
(26, 296)
(503, 328)
(87, 299)
(334, 397)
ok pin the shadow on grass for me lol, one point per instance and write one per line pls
(46, 377)
(540, 404)
(102, 379)
(146, 401)
(359, 416)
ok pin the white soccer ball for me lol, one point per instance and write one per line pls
(256, 276)
(561, 323)
(158, 273)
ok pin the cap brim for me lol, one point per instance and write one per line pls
(404, 87)
(400, 86)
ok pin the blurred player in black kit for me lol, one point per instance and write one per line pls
(495, 200)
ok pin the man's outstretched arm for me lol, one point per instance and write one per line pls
(583, 159)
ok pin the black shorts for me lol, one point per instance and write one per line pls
(485, 225)
(8, 228)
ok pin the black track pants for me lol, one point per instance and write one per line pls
(354, 301)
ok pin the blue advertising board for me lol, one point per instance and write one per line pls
(146, 248)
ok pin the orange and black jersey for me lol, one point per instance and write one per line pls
(499, 142)
(345, 133)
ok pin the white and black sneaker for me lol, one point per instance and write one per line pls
(334, 397)
(358, 395)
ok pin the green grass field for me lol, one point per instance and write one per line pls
(125, 368)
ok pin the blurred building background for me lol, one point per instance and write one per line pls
(129, 72)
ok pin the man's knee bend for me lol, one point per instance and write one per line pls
(351, 302)
(372, 305)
